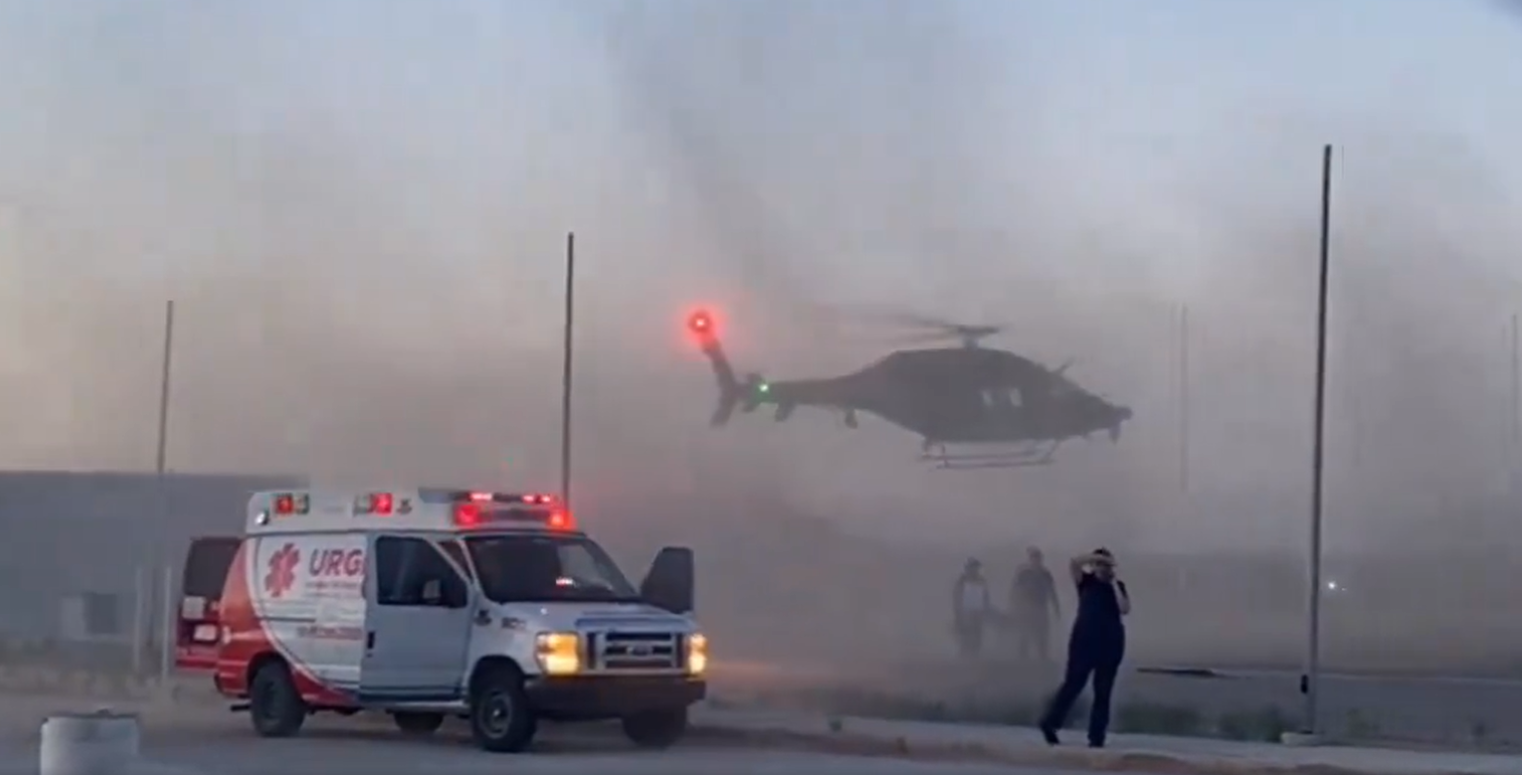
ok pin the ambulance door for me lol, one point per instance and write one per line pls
(418, 627)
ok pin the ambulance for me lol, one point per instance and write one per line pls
(430, 603)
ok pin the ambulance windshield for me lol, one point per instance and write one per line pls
(542, 568)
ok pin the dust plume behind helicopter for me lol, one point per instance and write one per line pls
(361, 217)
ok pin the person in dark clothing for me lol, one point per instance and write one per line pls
(1033, 604)
(970, 608)
(1096, 647)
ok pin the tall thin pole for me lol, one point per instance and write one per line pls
(565, 374)
(1309, 683)
(163, 440)
(1514, 409)
(170, 623)
(142, 607)
(161, 492)
(1183, 398)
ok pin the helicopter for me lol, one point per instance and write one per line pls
(973, 407)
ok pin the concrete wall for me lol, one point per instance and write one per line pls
(67, 534)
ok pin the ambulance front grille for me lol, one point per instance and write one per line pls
(614, 650)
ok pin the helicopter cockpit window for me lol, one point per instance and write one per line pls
(1001, 398)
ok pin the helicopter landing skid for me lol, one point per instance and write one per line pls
(1019, 457)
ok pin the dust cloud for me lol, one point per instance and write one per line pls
(360, 213)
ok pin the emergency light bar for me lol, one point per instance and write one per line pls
(380, 504)
(287, 504)
(406, 509)
(475, 514)
(480, 496)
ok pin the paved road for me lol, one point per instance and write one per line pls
(339, 754)
(1438, 710)
(205, 740)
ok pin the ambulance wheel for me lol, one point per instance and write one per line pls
(274, 705)
(418, 723)
(656, 729)
(501, 718)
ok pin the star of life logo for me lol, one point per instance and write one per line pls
(282, 571)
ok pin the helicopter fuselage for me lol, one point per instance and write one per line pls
(950, 395)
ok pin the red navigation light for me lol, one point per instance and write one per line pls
(700, 323)
(467, 514)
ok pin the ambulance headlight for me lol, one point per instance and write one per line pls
(697, 653)
(558, 653)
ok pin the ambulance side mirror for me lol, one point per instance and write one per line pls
(671, 582)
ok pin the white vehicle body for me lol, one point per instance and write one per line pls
(402, 600)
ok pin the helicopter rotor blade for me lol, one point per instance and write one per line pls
(925, 338)
(905, 318)
(908, 319)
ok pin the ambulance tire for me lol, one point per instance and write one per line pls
(416, 723)
(656, 729)
(501, 718)
(275, 706)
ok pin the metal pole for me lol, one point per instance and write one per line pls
(1311, 679)
(163, 441)
(1183, 398)
(161, 459)
(565, 374)
(1515, 407)
(141, 598)
(167, 643)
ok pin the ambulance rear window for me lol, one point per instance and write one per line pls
(206, 566)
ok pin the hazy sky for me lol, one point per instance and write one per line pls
(360, 207)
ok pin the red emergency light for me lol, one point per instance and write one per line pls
(560, 519)
(467, 514)
(380, 504)
(287, 504)
(473, 514)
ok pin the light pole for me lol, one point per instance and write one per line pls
(565, 373)
(1309, 682)
(1183, 398)
(143, 606)
(168, 362)
(1514, 410)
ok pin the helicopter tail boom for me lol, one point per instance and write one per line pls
(733, 393)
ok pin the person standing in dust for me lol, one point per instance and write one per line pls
(1096, 648)
(971, 607)
(1033, 606)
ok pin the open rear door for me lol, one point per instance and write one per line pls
(198, 632)
(671, 582)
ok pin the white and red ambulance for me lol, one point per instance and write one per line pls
(427, 603)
